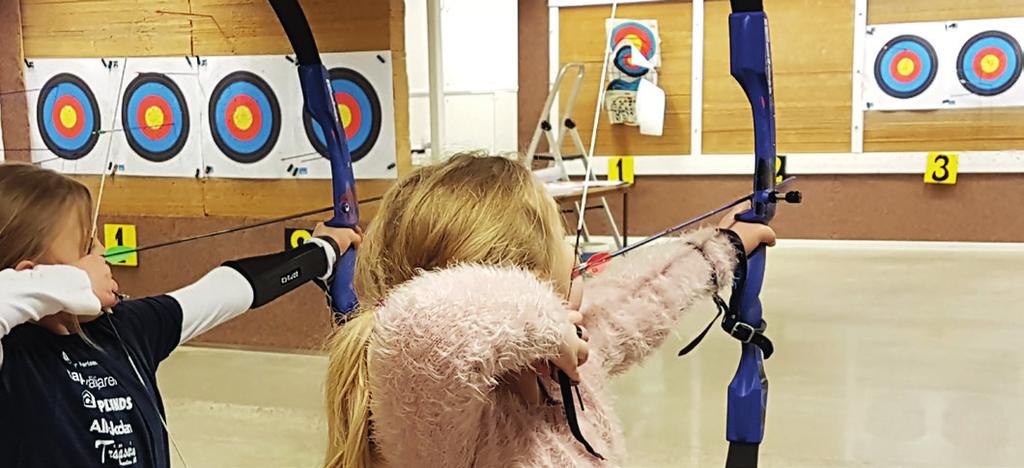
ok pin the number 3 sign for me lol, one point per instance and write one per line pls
(941, 168)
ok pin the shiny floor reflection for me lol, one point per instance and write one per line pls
(885, 357)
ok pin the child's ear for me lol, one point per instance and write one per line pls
(24, 265)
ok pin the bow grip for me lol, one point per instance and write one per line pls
(748, 391)
(320, 105)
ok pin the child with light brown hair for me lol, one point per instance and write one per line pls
(77, 386)
(468, 307)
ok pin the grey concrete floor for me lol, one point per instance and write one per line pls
(886, 357)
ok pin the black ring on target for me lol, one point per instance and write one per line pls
(906, 66)
(245, 118)
(154, 116)
(989, 63)
(358, 106)
(68, 116)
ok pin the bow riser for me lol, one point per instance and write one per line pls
(751, 67)
(320, 104)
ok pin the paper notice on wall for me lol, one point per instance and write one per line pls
(650, 108)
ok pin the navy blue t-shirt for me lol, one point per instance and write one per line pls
(65, 404)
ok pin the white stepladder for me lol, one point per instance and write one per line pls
(556, 138)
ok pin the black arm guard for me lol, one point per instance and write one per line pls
(272, 276)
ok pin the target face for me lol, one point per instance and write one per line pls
(245, 117)
(905, 67)
(68, 116)
(154, 117)
(989, 63)
(358, 110)
(638, 34)
(624, 62)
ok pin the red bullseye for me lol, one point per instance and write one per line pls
(68, 116)
(903, 76)
(243, 117)
(356, 119)
(154, 117)
(983, 70)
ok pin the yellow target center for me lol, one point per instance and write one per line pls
(345, 114)
(154, 117)
(242, 117)
(989, 63)
(68, 116)
(905, 67)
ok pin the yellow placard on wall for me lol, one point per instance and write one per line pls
(121, 242)
(621, 168)
(941, 168)
(780, 169)
(293, 238)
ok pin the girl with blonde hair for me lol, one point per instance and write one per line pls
(77, 387)
(468, 307)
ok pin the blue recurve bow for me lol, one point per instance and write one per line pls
(751, 66)
(320, 104)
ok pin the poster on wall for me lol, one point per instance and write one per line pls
(943, 65)
(72, 113)
(157, 131)
(258, 127)
(632, 96)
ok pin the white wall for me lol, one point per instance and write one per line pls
(481, 66)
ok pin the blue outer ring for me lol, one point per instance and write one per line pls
(965, 63)
(245, 83)
(883, 63)
(61, 146)
(355, 84)
(650, 34)
(163, 149)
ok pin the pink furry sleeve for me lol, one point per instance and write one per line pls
(441, 344)
(631, 307)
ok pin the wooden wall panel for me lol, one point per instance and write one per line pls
(812, 52)
(13, 104)
(105, 28)
(955, 129)
(901, 11)
(581, 39)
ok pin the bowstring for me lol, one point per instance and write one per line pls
(106, 159)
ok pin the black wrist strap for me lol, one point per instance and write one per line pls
(742, 331)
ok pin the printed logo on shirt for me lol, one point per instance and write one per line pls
(68, 361)
(123, 454)
(290, 277)
(109, 427)
(93, 382)
(106, 405)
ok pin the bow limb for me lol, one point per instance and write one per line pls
(320, 104)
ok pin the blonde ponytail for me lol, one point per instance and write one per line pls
(348, 395)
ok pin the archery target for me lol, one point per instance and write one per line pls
(639, 34)
(68, 116)
(358, 110)
(623, 62)
(906, 66)
(245, 117)
(154, 116)
(989, 63)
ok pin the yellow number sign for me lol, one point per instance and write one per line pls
(121, 243)
(621, 168)
(941, 168)
(293, 238)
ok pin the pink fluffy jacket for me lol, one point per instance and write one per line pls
(443, 342)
